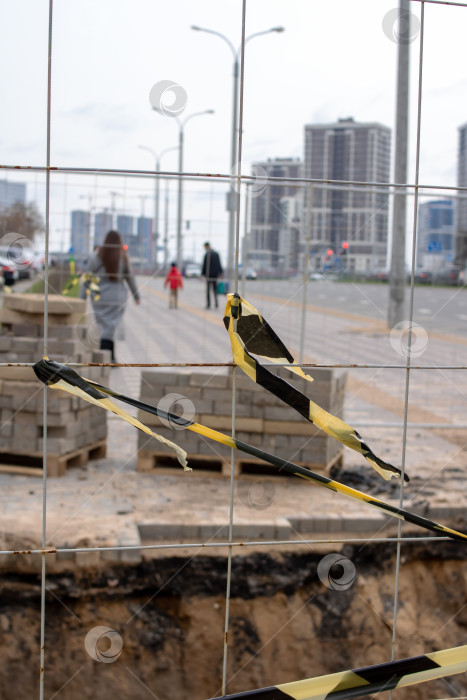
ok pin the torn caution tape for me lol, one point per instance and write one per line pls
(58, 376)
(90, 283)
(365, 681)
(86, 284)
(251, 335)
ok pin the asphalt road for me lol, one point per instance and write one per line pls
(437, 309)
(343, 323)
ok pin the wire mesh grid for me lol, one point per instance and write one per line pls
(407, 366)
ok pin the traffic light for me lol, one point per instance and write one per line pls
(329, 252)
(345, 248)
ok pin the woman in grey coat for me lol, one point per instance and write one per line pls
(110, 264)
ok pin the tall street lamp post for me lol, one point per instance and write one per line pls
(396, 309)
(157, 160)
(233, 152)
(181, 127)
(88, 224)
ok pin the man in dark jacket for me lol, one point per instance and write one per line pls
(212, 269)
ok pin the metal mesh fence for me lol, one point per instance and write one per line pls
(69, 167)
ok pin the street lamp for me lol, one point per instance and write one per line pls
(233, 152)
(181, 126)
(157, 160)
(88, 224)
(113, 196)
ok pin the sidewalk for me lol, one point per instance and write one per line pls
(109, 503)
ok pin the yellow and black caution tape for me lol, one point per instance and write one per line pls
(60, 376)
(91, 284)
(251, 335)
(88, 281)
(71, 287)
(364, 681)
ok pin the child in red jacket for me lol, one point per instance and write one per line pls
(174, 280)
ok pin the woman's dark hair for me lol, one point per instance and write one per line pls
(114, 258)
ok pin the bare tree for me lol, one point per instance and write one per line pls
(24, 219)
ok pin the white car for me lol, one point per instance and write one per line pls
(10, 273)
(193, 270)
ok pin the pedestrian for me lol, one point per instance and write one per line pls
(110, 264)
(174, 280)
(212, 269)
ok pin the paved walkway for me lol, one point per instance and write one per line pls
(106, 501)
(156, 334)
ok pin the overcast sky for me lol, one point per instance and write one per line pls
(335, 59)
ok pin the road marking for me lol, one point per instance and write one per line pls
(378, 325)
(323, 310)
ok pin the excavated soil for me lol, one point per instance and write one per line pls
(168, 615)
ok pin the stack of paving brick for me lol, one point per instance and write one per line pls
(262, 420)
(76, 431)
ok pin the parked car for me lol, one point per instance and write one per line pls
(423, 276)
(462, 277)
(378, 276)
(10, 274)
(444, 275)
(22, 258)
(447, 275)
(193, 270)
(250, 273)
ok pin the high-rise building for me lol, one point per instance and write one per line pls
(125, 227)
(348, 151)
(290, 232)
(80, 234)
(11, 193)
(435, 236)
(265, 250)
(145, 241)
(103, 223)
(461, 204)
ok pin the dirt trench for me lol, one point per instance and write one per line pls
(166, 617)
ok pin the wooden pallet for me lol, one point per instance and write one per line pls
(164, 463)
(30, 463)
(256, 467)
(209, 465)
